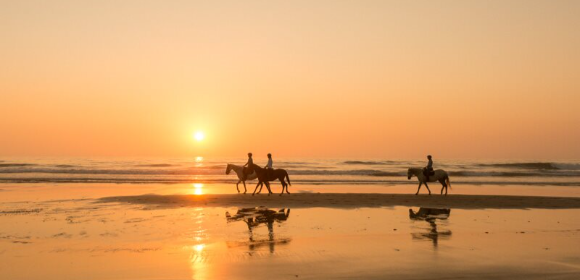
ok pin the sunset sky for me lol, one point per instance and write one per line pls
(388, 79)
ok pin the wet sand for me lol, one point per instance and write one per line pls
(188, 232)
(351, 200)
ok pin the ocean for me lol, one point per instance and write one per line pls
(307, 171)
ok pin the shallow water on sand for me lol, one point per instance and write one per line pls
(88, 239)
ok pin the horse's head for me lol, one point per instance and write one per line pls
(228, 169)
(409, 174)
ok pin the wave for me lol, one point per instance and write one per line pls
(155, 165)
(16, 164)
(567, 166)
(362, 172)
(218, 167)
(524, 165)
(204, 170)
(359, 162)
(189, 180)
(65, 166)
(509, 174)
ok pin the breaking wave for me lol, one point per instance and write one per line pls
(15, 164)
(524, 165)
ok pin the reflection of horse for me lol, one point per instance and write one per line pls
(253, 217)
(240, 172)
(265, 176)
(431, 215)
(440, 175)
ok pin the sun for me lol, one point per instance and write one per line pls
(199, 136)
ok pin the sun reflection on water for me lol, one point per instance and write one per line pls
(199, 248)
(198, 259)
(198, 161)
(198, 189)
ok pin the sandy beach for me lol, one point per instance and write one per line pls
(157, 232)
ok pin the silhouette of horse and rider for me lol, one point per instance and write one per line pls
(250, 171)
(427, 174)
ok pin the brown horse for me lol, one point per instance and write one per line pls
(265, 176)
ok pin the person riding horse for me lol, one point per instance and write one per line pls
(248, 167)
(268, 166)
(428, 170)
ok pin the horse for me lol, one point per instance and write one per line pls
(240, 172)
(265, 176)
(440, 175)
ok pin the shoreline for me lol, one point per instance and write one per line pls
(349, 201)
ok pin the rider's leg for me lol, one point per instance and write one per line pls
(244, 173)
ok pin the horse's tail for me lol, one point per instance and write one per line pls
(448, 182)
(288, 179)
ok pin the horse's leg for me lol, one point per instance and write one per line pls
(261, 186)
(268, 187)
(285, 183)
(245, 190)
(256, 188)
(237, 185)
(442, 185)
(427, 186)
(420, 184)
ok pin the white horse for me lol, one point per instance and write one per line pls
(440, 175)
(240, 172)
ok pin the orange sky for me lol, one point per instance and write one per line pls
(457, 79)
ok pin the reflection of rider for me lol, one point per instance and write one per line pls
(248, 167)
(429, 168)
(268, 166)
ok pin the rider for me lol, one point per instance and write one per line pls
(268, 166)
(248, 167)
(429, 168)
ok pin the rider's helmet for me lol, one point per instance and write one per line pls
(249, 154)
(429, 156)
(269, 155)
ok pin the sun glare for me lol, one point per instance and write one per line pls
(199, 136)
(197, 189)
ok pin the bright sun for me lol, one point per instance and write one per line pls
(199, 136)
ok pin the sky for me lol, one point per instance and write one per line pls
(363, 79)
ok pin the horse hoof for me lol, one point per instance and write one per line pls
(417, 194)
